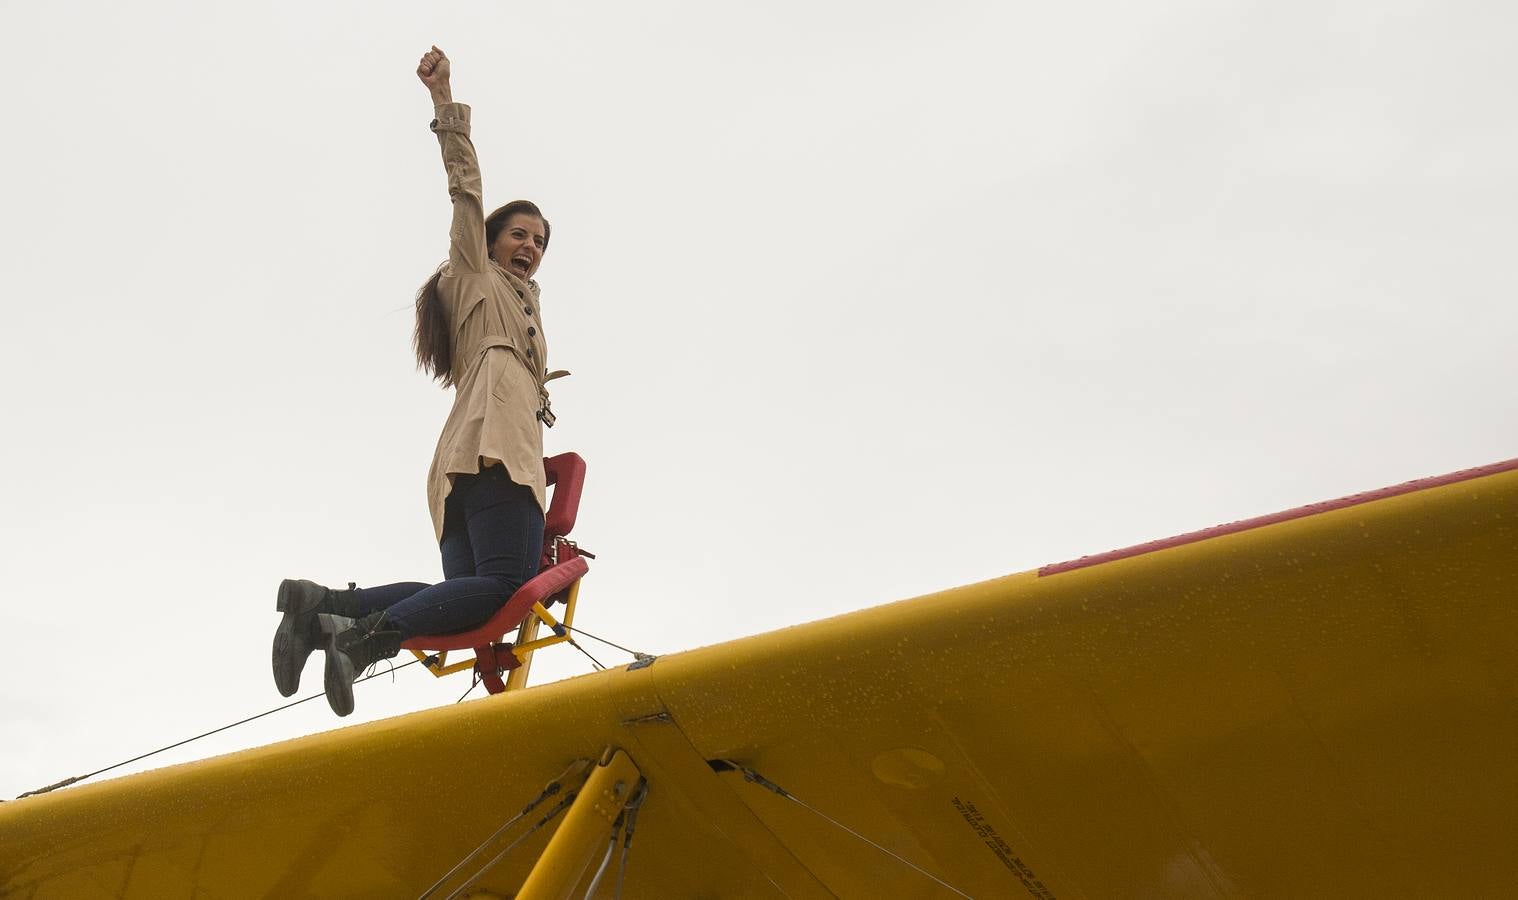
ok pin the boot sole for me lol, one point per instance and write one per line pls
(337, 676)
(291, 648)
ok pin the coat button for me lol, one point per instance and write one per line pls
(527, 309)
(531, 352)
(531, 332)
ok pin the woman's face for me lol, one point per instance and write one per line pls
(519, 247)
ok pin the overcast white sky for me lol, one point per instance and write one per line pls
(862, 300)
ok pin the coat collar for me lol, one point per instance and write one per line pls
(523, 287)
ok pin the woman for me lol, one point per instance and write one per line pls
(478, 331)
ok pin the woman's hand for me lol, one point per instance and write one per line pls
(434, 70)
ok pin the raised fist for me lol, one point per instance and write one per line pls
(434, 69)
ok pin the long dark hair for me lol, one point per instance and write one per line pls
(431, 339)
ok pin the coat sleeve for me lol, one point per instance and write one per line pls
(466, 238)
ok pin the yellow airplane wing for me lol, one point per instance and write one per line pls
(1319, 703)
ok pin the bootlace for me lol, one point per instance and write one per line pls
(373, 669)
(360, 646)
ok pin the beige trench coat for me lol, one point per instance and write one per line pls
(499, 354)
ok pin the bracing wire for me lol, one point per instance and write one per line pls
(489, 864)
(596, 662)
(578, 630)
(633, 805)
(553, 787)
(78, 778)
(474, 681)
(611, 848)
(754, 777)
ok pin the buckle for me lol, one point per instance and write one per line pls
(560, 540)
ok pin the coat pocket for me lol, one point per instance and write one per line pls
(510, 382)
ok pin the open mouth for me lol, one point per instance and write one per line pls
(521, 263)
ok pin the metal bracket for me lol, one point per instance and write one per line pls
(586, 828)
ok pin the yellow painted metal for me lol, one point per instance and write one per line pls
(585, 831)
(443, 667)
(544, 615)
(516, 679)
(571, 601)
(528, 642)
(442, 659)
(462, 665)
(524, 649)
(527, 649)
(1317, 707)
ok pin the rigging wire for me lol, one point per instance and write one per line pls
(78, 778)
(623, 829)
(553, 787)
(633, 805)
(474, 682)
(635, 654)
(611, 847)
(596, 662)
(559, 807)
(751, 776)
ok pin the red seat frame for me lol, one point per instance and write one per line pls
(561, 566)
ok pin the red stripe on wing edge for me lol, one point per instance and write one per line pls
(1300, 512)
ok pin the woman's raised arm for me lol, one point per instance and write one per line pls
(466, 239)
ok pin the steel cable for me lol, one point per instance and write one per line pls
(78, 778)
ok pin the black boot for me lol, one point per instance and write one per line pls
(298, 634)
(352, 647)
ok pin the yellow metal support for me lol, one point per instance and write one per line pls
(442, 666)
(586, 829)
(527, 636)
(569, 604)
(459, 666)
(517, 678)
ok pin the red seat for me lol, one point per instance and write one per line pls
(539, 589)
(561, 566)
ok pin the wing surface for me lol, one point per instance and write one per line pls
(1320, 703)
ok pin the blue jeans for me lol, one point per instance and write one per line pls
(492, 539)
